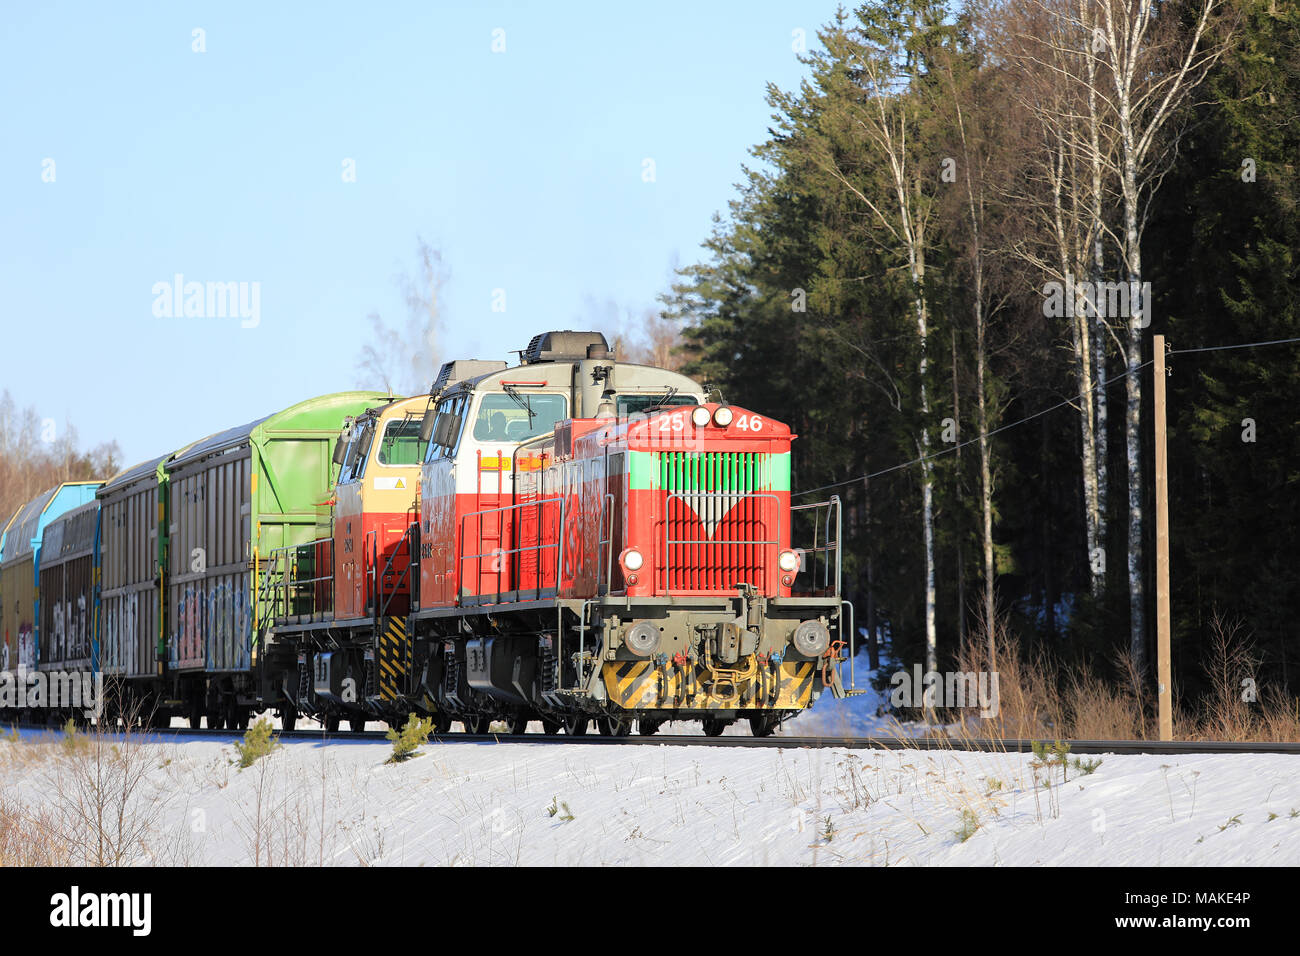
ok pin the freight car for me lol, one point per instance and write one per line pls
(66, 586)
(20, 568)
(172, 548)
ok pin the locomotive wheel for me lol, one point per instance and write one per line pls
(441, 722)
(156, 718)
(648, 726)
(216, 720)
(288, 719)
(196, 714)
(231, 713)
(714, 727)
(551, 727)
(519, 724)
(477, 725)
(762, 726)
(575, 725)
(106, 719)
(611, 726)
(357, 723)
(331, 723)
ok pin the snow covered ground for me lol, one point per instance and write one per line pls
(582, 804)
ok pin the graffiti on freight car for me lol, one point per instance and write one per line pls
(230, 626)
(70, 629)
(56, 632)
(120, 622)
(26, 648)
(214, 627)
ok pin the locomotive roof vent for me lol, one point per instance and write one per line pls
(565, 346)
(461, 369)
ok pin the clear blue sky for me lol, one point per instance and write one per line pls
(524, 168)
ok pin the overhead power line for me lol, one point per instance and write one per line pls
(1038, 414)
(1224, 348)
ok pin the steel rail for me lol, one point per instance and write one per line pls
(984, 745)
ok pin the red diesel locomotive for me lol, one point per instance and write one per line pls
(567, 540)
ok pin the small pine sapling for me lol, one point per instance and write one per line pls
(412, 736)
(258, 742)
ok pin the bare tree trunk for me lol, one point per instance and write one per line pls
(1049, 565)
(915, 232)
(1148, 88)
(873, 643)
(975, 209)
(986, 485)
(1097, 559)
(1133, 410)
(927, 473)
(961, 492)
(1124, 67)
(1081, 334)
(1068, 254)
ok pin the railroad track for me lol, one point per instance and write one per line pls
(1171, 748)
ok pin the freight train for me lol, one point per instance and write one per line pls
(572, 540)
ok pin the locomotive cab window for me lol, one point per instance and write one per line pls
(449, 416)
(401, 444)
(354, 465)
(518, 417)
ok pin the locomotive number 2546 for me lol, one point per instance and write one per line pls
(675, 423)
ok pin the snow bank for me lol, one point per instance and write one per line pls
(580, 804)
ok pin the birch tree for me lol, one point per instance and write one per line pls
(972, 120)
(1153, 65)
(1048, 46)
(886, 117)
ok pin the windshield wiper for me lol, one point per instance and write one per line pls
(521, 401)
(664, 399)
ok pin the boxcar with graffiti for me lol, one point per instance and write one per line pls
(67, 590)
(20, 604)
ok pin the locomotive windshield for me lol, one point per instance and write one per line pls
(631, 404)
(401, 444)
(502, 418)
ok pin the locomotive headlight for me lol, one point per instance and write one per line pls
(700, 416)
(788, 561)
(632, 559)
(642, 639)
(811, 638)
(722, 417)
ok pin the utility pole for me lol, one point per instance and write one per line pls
(1164, 688)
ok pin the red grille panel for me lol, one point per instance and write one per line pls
(719, 531)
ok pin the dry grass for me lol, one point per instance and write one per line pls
(1237, 706)
(27, 837)
(1028, 702)
(1042, 699)
(105, 804)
